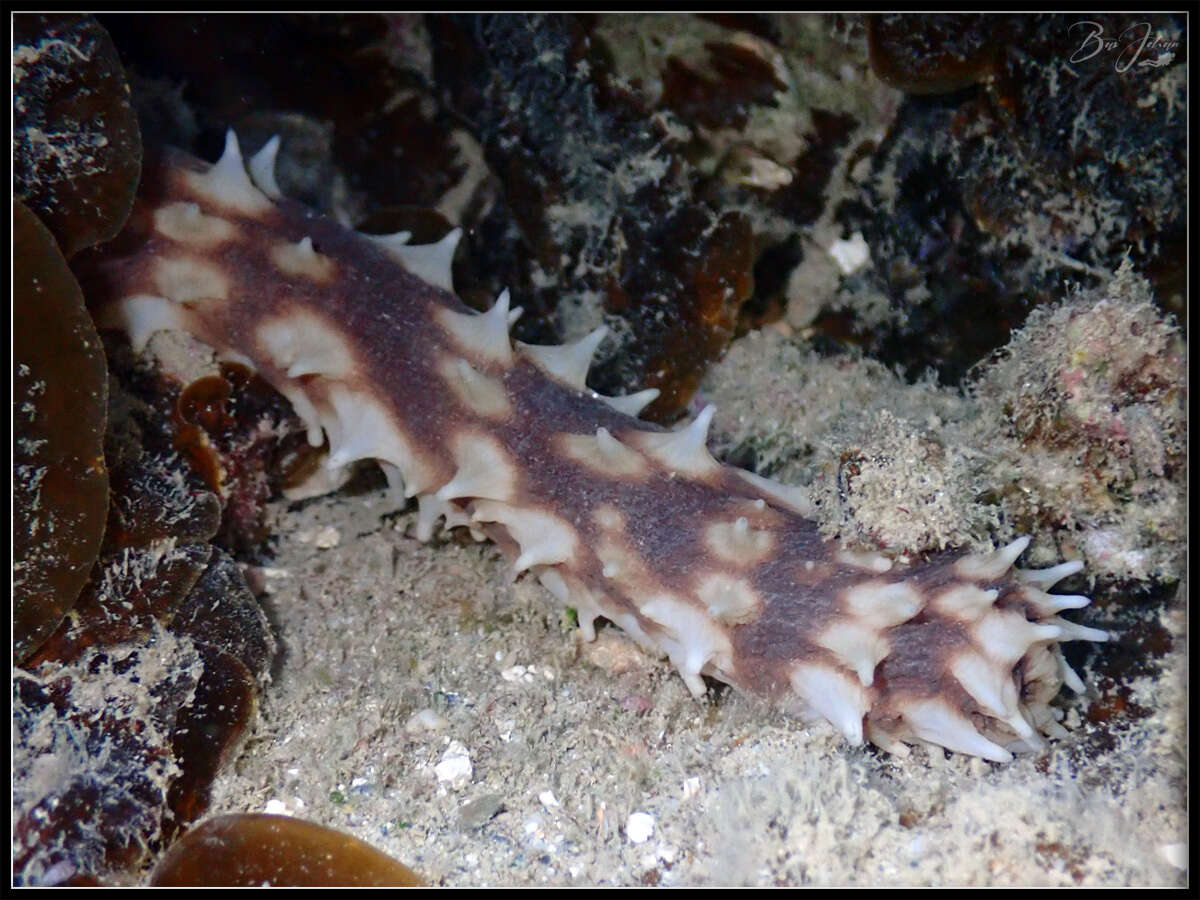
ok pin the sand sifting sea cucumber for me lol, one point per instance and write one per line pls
(714, 566)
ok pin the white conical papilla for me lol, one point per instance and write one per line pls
(990, 685)
(990, 566)
(737, 543)
(685, 450)
(788, 496)
(484, 470)
(544, 539)
(569, 363)
(690, 637)
(840, 700)
(432, 263)
(965, 602)
(605, 454)
(1006, 635)
(932, 720)
(430, 509)
(361, 428)
(1070, 678)
(227, 184)
(631, 404)
(483, 336)
(881, 604)
(1046, 605)
(1044, 579)
(1072, 632)
(482, 394)
(262, 168)
(859, 646)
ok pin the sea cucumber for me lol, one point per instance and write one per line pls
(714, 566)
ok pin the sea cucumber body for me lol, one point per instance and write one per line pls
(714, 566)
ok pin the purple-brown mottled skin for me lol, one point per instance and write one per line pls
(688, 555)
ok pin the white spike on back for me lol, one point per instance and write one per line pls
(185, 223)
(965, 602)
(786, 495)
(737, 543)
(432, 263)
(262, 168)
(569, 363)
(390, 242)
(483, 335)
(482, 394)
(631, 404)
(685, 450)
(301, 260)
(990, 566)
(881, 604)
(227, 184)
(604, 454)
(861, 648)
(932, 720)
(731, 601)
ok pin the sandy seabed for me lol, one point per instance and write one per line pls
(431, 706)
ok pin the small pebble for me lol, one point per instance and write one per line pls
(851, 255)
(424, 720)
(639, 827)
(455, 768)
(478, 811)
(327, 538)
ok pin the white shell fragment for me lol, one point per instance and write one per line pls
(455, 769)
